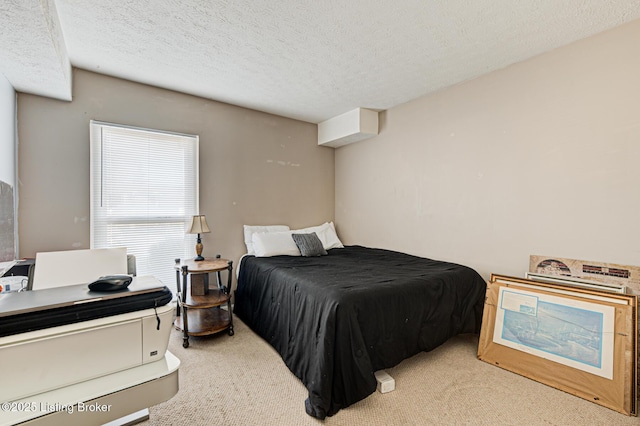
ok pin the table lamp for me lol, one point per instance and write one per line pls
(199, 226)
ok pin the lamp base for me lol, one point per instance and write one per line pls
(199, 250)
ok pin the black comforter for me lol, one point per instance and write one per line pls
(337, 319)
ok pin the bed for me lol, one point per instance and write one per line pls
(338, 318)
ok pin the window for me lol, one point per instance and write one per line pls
(144, 191)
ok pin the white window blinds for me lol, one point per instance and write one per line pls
(144, 191)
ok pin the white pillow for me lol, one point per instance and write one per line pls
(327, 234)
(331, 238)
(267, 244)
(249, 230)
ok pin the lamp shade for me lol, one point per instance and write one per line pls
(198, 225)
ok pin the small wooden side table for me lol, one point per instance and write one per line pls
(203, 314)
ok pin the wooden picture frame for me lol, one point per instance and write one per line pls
(581, 341)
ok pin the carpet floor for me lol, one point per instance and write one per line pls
(241, 380)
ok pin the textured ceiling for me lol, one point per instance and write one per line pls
(306, 59)
(32, 52)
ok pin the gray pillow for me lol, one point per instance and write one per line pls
(309, 244)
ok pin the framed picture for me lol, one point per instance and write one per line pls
(582, 341)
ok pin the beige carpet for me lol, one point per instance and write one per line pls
(241, 380)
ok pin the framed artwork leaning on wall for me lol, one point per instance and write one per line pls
(581, 341)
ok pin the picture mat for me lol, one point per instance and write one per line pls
(571, 332)
(576, 282)
(602, 297)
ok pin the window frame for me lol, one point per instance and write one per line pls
(97, 181)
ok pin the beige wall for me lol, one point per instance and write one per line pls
(255, 168)
(539, 158)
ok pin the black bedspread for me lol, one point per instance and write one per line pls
(337, 319)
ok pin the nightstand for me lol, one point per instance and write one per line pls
(201, 310)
